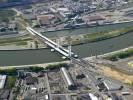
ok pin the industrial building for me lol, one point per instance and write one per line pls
(92, 96)
(84, 96)
(2, 81)
(4, 94)
(68, 79)
(114, 96)
(31, 80)
(111, 86)
(87, 96)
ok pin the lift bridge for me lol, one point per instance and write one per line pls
(55, 46)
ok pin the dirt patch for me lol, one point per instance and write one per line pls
(109, 72)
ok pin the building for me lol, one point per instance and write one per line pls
(45, 19)
(87, 96)
(92, 96)
(79, 74)
(2, 81)
(111, 86)
(4, 94)
(58, 97)
(31, 80)
(33, 90)
(93, 19)
(68, 79)
(8, 29)
(114, 96)
(84, 96)
(21, 74)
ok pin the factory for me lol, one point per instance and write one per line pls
(111, 86)
(92, 96)
(87, 96)
(68, 80)
(2, 81)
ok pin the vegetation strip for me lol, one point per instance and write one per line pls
(120, 55)
(106, 35)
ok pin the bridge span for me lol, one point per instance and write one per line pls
(65, 52)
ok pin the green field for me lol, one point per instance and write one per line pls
(10, 82)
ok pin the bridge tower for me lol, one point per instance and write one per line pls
(70, 49)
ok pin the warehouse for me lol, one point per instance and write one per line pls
(2, 81)
(69, 81)
(87, 96)
(4, 94)
(111, 86)
(92, 96)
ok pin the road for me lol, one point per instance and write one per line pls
(48, 86)
(18, 12)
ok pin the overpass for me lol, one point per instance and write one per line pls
(65, 52)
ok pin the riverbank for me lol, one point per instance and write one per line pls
(99, 36)
(87, 26)
(111, 53)
(22, 43)
(69, 32)
(120, 55)
(38, 56)
(44, 65)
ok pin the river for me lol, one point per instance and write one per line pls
(25, 57)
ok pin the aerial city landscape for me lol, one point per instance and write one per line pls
(66, 49)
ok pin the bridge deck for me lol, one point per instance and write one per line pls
(51, 43)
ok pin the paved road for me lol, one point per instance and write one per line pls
(48, 86)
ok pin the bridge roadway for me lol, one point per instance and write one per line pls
(51, 43)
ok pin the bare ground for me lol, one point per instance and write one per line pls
(115, 74)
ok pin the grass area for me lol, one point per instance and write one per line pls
(56, 66)
(116, 74)
(106, 34)
(16, 41)
(13, 40)
(121, 55)
(10, 82)
(34, 69)
(21, 23)
(6, 14)
(22, 40)
(10, 71)
(98, 36)
(21, 43)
